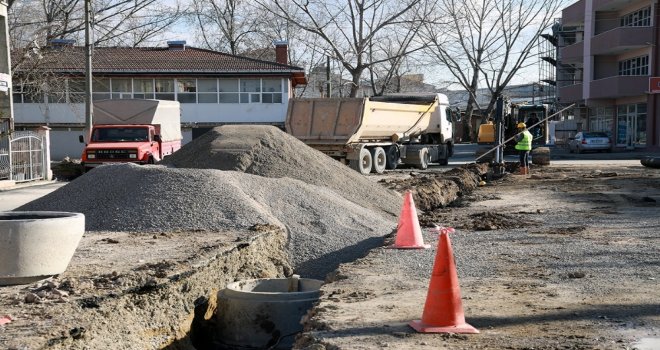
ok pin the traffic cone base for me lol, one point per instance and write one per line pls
(464, 328)
(408, 232)
(423, 246)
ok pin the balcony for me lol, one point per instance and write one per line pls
(619, 86)
(573, 15)
(570, 93)
(613, 5)
(572, 53)
(621, 39)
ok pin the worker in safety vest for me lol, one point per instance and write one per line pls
(524, 145)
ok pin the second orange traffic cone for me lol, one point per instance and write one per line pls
(443, 310)
(408, 233)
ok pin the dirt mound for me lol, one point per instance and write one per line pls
(324, 228)
(437, 190)
(267, 151)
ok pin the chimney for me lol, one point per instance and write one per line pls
(281, 51)
(176, 45)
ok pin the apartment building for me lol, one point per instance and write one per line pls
(608, 55)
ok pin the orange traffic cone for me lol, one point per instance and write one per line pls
(443, 311)
(408, 233)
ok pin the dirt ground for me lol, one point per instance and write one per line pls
(567, 258)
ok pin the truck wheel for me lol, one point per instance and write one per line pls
(378, 160)
(392, 157)
(443, 161)
(424, 159)
(363, 163)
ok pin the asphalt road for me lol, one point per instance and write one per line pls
(25, 193)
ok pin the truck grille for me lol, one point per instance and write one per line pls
(112, 153)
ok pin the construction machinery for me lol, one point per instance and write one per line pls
(376, 133)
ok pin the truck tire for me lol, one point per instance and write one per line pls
(443, 161)
(378, 160)
(424, 159)
(363, 163)
(392, 157)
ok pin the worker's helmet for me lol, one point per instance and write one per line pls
(521, 125)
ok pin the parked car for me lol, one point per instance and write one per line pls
(589, 141)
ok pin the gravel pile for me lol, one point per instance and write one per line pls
(267, 151)
(235, 177)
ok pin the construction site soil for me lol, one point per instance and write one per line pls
(566, 258)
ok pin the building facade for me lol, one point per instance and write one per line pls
(608, 53)
(213, 88)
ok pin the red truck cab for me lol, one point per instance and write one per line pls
(152, 132)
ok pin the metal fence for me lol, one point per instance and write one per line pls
(22, 156)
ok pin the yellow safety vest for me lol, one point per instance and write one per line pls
(526, 143)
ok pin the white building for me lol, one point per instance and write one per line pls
(213, 88)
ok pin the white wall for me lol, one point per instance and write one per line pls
(64, 141)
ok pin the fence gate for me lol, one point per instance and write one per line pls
(26, 156)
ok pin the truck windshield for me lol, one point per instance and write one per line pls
(120, 134)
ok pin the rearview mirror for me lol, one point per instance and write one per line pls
(81, 139)
(157, 138)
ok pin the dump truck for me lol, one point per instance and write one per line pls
(376, 133)
(135, 131)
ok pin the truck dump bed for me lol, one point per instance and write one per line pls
(166, 114)
(339, 121)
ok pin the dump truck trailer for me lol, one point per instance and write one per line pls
(135, 131)
(376, 133)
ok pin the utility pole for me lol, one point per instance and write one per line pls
(89, 107)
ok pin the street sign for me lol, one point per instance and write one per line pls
(654, 85)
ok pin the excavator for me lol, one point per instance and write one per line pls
(529, 114)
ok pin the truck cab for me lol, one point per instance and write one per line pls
(122, 143)
(133, 131)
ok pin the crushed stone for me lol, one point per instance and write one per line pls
(268, 151)
(238, 177)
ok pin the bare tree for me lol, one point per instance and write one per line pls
(347, 29)
(487, 41)
(225, 25)
(116, 22)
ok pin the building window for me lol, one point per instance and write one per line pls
(17, 93)
(250, 90)
(631, 125)
(272, 91)
(207, 91)
(639, 18)
(165, 89)
(228, 90)
(186, 90)
(634, 66)
(76, 90)
(121, 88)
(101, 89)
(143, 88)
(603, 120)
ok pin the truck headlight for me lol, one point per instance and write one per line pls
(91, 156)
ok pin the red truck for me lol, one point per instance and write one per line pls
(135, 131)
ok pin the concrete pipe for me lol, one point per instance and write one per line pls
(37, 245)
(264, 313)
